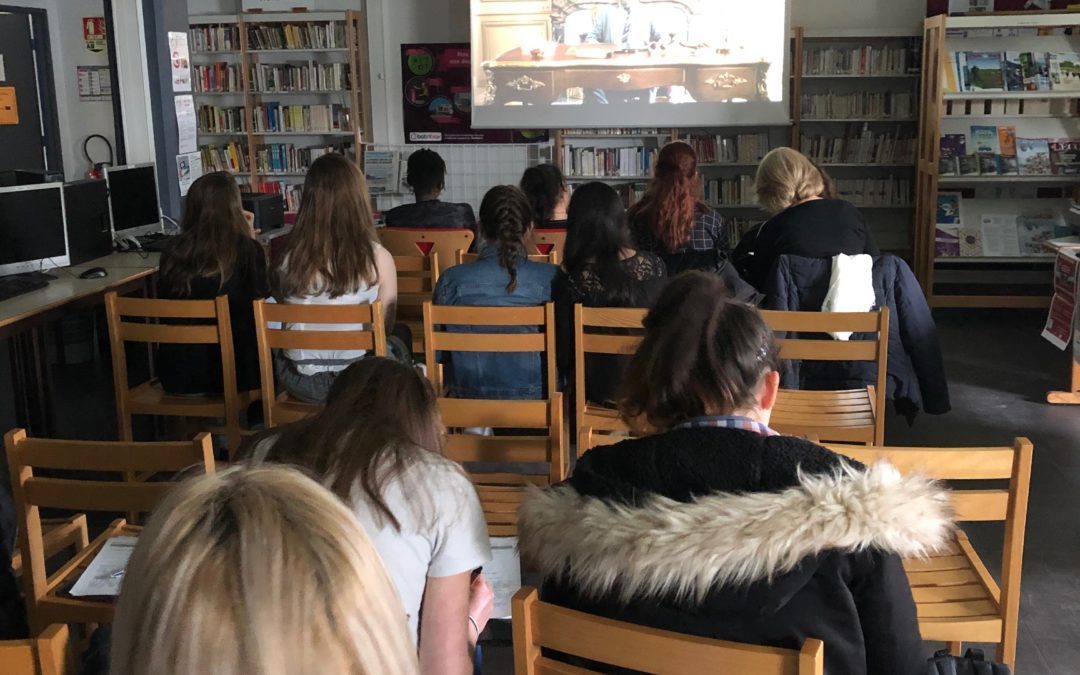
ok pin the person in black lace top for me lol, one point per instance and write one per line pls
(600, 269)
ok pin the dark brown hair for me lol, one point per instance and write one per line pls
(830, 191)
(703, 353)
(671, 204)
(505, 220)
(378, 415)
(332, 246)
(215, 235)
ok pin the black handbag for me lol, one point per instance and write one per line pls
(972, 663)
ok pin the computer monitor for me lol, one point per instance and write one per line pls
(133, 199)
(32, 228)
(86, 205)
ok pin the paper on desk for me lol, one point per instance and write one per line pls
(106, 570)
(504, 574)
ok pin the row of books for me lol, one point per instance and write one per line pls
(1011, 71)
(609, 162)
(865, 60)
(217, 77)
(996, 150)
(737, 149)
(737, 191)
(275, 158)
(290, 193)
(860, 146)
(276, 118)
(311, 35)
(879, 105)
(214, 119)
(738, 227)
(890, 191)
(993, 234)
(215, 38)
(231, 157)
(649, 131)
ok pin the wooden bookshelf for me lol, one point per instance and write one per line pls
(352, 95)
(989, 282)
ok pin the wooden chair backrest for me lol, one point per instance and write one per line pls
(416, 278)
(551, 258)
(589, 438)
(48, 654)
(217, 330)
(423, 242)
(1008, 504)
(591, 328)
(546, 242)
(541, 626)
(437, 338)
(32, 493)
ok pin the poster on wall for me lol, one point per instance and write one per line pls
(189, 169)
(437, 98)
(94, 33)
(180, 61)
(186, 124)
(94, 83)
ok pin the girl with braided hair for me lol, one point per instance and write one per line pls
(502, 276)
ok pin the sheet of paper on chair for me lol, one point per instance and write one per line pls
(504, 574)
(106, 570)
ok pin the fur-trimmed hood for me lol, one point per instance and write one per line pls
(657, 546)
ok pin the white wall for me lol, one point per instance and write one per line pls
(77, 119)
(851, 14)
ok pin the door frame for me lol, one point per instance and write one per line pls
(46, 83)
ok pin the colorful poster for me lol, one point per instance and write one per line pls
(180, 61)
(186, 124)
(188, 170)
(9, 106)
(1060, 322)
(94, 33)
(437, 98)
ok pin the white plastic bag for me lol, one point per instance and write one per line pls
(851, 287)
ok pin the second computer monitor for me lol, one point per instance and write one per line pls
(133, 199)
(32, 228)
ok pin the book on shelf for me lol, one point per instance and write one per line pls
(1034, 232)
(863, 60)
(950, 79)
(947, 231)
(874, 105)
(970, 242)
(982, 71)
(1035, 72)
(311, 35)
(212, 119)
(890, 191)
(311, 76)
(736, 149)
(1033, 156)
(290, 193)
(738, 227)
(1065, 156)
(953, 147)
(984, 140)
(1064, 70)
(737, 191)
(586, 162)
(1007, 140)
(861, 145)
(273, 117)
(969, 165)
(231, 157)
(217, 77)
(214, 38)
(277, 158)
(1012, 71)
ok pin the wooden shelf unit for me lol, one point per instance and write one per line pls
(357, 95)
(1005, 272)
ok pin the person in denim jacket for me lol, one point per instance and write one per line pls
(502, 276)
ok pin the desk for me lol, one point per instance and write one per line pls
(516, 77)
(22, 317)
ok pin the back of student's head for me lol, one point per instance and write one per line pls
(425, 172)
(378, 413)
(786, 177)
(506, 217)
(257, 571)
(214, 234)
(672, 201)
(332, 246)
(597, 235)
(544, 185)
(703, 353)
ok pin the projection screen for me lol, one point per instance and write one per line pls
(629, 63)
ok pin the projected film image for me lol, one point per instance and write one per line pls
(571, 61)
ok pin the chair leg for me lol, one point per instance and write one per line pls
(955, 648)
(1006, 653)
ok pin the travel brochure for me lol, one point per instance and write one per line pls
(997, 151)
(1011, 71)
(994, 234)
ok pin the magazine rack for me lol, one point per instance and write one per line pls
(1068, 397)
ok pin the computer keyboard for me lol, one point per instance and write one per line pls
(36, 276)
(154, 243)
(17, 285)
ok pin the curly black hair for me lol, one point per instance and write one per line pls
(426, 172)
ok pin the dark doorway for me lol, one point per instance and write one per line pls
(34, 143)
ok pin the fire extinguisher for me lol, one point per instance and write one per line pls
(96, 169)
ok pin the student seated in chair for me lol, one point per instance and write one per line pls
(378, 446)
(717, 526)
(257, 571)
(549, 195)
(215, 254)
(427, 178)
(503, 276)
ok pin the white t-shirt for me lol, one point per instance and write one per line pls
(449, 537)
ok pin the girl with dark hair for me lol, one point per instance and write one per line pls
(549, 195)
(717, 526)
(601, 269)
(502, 276)
(377, 445)
(671, 218)
(215, 254)
(333, 257)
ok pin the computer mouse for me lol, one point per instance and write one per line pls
(94, 273)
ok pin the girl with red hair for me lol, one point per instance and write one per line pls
(671, 218)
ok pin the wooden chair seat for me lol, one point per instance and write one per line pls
(288, 409)
(50, 653)
(149, 398)
(956, 598)
(844, 415)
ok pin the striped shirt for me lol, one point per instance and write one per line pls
(727, 422)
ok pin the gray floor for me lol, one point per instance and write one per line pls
(999, 369)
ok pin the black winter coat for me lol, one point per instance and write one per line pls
(916, 374)
(728, 534)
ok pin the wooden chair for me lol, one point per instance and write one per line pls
(552, 258)
(589, 438)
(48, 654)
(541, 626)
(59, 534)
(271, 332)
(847, 416)
(46, 601)
(149, 398)
(956, 597)
(546, 242)
(405, 241)
(500, 493)
(416, 278)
